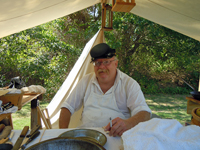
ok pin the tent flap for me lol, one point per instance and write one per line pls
(81, 68)
(180, 15)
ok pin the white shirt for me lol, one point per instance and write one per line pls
(128, 94)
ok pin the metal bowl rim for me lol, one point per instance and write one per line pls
(90, 130)
(70, 138)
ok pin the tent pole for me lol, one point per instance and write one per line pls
(101, 36)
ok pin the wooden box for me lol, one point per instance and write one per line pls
(123, 5)
(14, 98)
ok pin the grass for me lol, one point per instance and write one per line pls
(165, 106)
(22, 118)
(169, 106)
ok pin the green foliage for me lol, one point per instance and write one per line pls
(38, 57)
(78, 28)
(153, 55)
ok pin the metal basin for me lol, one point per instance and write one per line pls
(66, 144)
(6, 146)
(86, 134)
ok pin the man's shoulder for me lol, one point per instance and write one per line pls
(126, 80)
(125, 77)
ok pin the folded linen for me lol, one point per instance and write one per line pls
(34, 89)
(162, 134)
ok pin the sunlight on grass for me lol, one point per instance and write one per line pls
(169, 106)
(19, 123)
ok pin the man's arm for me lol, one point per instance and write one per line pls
(121, 125)
(64, 119)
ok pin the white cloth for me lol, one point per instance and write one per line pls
(127, 91)
(162, 134)
(10, 91)
(103, 107)
(34, 89)
(10, 110)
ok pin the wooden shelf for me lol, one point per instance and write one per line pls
(14, 98)
(193, 100)
(29, 97)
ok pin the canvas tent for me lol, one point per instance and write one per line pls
(180, 15)
(15, 16)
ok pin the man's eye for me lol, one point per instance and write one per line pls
(106, 62)
(97, 63)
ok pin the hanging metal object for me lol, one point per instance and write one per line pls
(107, 17)
(123, 5)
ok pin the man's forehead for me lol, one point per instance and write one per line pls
(103, 59)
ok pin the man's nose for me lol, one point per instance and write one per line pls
(102, 65)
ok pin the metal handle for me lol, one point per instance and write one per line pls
(36, 134)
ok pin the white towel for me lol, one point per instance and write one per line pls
(162, 134)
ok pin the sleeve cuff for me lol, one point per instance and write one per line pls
(66, 105)
(140, 108)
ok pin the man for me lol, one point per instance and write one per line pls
(107, 94)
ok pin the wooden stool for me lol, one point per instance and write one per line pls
(45, 118)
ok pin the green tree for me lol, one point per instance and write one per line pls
(78, 28)
(38, 56)
(152, 54)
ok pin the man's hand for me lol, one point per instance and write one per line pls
(119, 126)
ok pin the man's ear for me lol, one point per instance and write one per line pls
(116, 63)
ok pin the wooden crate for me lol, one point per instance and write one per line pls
(123, 6)
(15, 99)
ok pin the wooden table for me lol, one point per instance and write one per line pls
(20, 99)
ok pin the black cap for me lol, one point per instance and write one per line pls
(102, 50)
